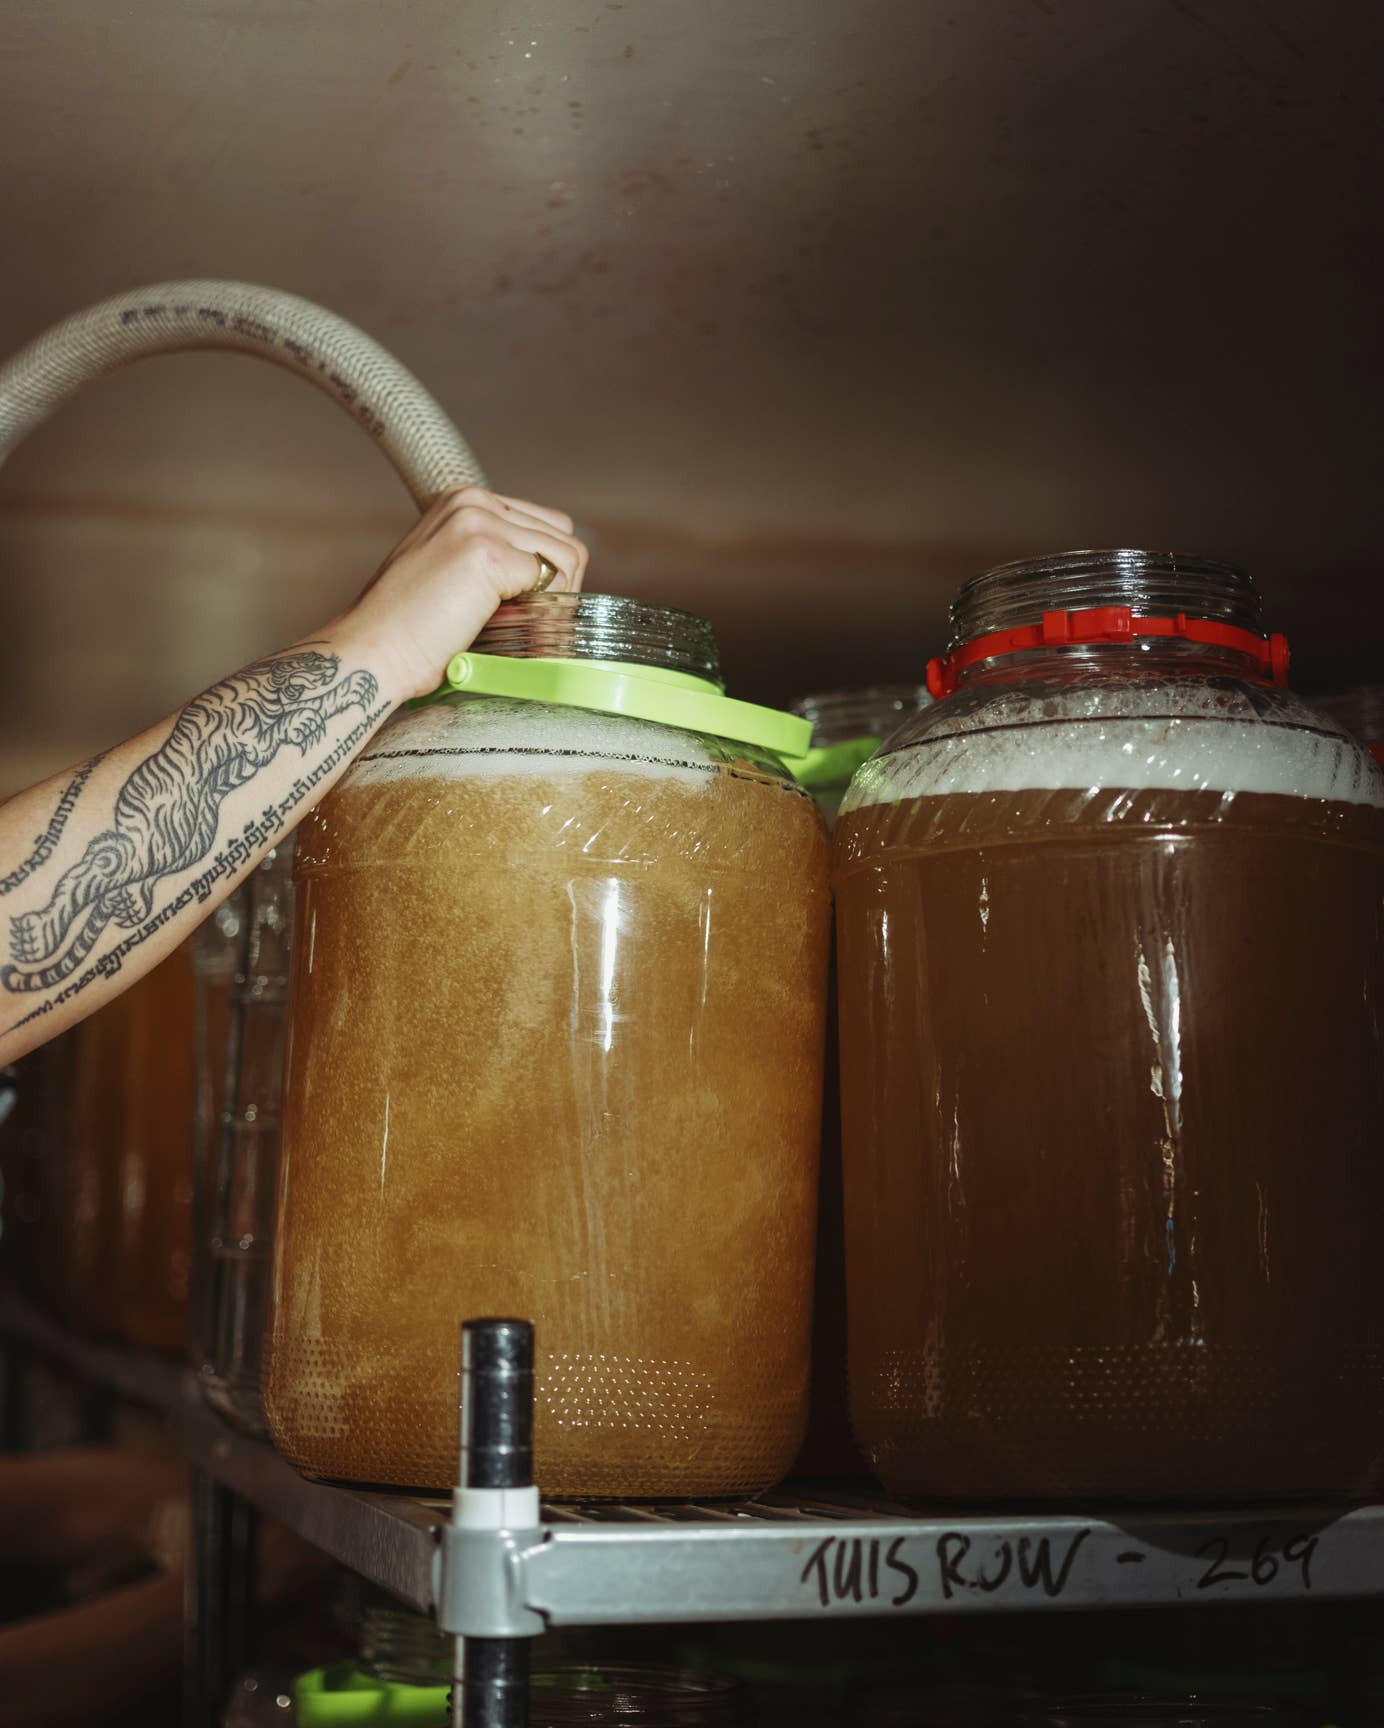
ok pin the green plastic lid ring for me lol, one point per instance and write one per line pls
(325, 1697)
(831, 764)
(641, 692)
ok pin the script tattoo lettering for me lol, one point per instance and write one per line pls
(47, 843)
(227, 861)
(167, 812)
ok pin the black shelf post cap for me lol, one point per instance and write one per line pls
(497, 1404)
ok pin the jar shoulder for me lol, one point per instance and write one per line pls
(1220, 734)
(504, 778)
(445, 737)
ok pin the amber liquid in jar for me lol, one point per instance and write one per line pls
(555, 1051)
(1113, 1112)
(158, 1111)
(79, 1233)
(117, 1227)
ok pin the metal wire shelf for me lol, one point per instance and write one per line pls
(799, 1553)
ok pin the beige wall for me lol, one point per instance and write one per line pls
(805, 309)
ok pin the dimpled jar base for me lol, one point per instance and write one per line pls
(1138, 1423)
(1106, 1061)
(606, 1428)
(555, 1052)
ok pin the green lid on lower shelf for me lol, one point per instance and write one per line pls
(341, 1693)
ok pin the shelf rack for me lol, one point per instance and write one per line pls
(788, 1555)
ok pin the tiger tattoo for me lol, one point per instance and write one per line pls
(167, 811)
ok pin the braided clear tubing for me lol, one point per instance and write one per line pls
(381, 396)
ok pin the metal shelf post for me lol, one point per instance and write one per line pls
(495, 1490)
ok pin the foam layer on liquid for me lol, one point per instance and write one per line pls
(556, 1050)
(482, 737)
(1176, 738)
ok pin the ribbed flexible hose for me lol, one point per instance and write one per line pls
(375, 390)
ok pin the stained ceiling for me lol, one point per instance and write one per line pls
(805, 308)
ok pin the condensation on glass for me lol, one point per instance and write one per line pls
(1111, 961)
(555, 1051)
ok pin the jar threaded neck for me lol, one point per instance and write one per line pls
(872, 711)
(602, 627)
(1151, 584)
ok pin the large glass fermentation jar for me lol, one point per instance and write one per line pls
(847, 728)
(32, 1118)
(158, 1098)
(117, 1182)
(555, 1050)
(242, 1150)
(216, 946)
(79, 1229)
(1360, 709)
(1111, 959)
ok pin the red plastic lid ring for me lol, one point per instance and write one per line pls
(1107, 624)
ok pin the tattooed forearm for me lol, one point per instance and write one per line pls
(259, 832)
(167, 812)
(47, 842)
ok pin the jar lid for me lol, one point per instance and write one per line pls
(833, 764)
(342, 1693)
(848, 726)
(614, 655)
(1108, 624)
(657, 693)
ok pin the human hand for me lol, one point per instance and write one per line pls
(468, 552)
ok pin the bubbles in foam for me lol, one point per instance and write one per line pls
(428, 742)
(1179, 737)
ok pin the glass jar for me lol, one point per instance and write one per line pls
(78, 1227)
(158, 1094)
(246, 1145)
(568, 1694)
(1360, 709)
(11, 1166)
(215, 948)
(847, 728)
(1104, 1173)
(401, 1646)
(31, 1093)
(560, 1696)
(555, 1050)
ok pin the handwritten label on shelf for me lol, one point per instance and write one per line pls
(1083, 1562)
